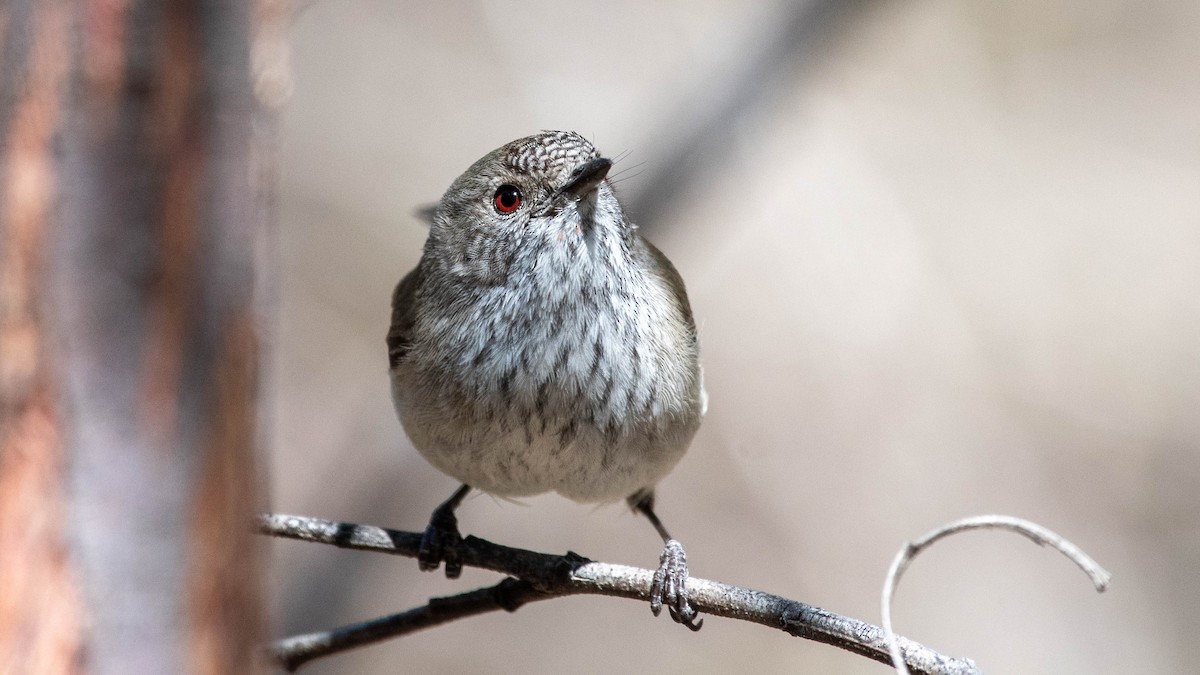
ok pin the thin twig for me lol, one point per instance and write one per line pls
(1040, 536)
(543, 576)
(295, 651)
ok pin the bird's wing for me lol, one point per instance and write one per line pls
(674, 282)
(404, 315)
(672, 278)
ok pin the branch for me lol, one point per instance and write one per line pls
(1038, 534)
(541, 576)
(293, 652)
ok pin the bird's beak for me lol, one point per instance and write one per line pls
(586, 177)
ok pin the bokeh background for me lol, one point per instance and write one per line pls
(944, 257)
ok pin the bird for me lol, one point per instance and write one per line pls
(543, 344)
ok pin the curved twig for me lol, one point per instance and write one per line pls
(1040, 536)
(538, 576)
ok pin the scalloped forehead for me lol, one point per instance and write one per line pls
(550, 152)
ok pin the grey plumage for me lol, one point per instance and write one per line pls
(544, 352)
(541, 343)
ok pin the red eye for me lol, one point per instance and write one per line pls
(507, 198)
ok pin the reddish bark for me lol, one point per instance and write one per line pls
(40, 612)
(128, 338)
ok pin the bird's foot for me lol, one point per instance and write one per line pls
(670, 587)
(441, 542)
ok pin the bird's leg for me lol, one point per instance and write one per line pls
(670, 579)
(441, 541)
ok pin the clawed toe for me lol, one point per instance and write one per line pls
(439, 546)
(670, 587)
(440, 543)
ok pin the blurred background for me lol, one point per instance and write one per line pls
(944, 257)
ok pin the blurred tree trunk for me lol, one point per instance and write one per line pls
(134, 208)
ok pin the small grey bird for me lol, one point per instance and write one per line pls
(542, 344)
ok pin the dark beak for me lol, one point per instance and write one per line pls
(587, 176)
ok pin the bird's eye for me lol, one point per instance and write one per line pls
(507, 198)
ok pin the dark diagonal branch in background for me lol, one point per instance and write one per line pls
(541, 576)
(700, 130)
